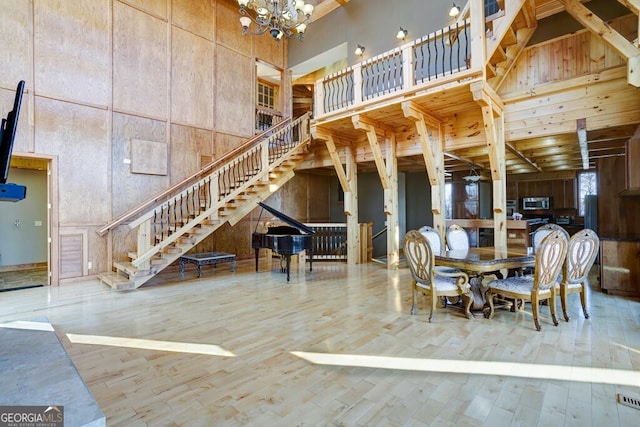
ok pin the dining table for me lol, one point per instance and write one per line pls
(481, 262)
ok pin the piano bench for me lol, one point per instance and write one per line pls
(207, 258)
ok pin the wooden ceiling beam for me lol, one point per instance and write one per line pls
(325, 7)
(632, 5)
(522, 156)
(611, 37)
(431, 147)
(362, 123)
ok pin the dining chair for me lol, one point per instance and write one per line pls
(421, 261)
(543, 231)
(539, 235)
(432, 235)
(457, 238)
(537, 287)
(581, 254)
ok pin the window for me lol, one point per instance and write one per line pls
(586, 187)
(448, 205)
(267, 105)
(266, 95)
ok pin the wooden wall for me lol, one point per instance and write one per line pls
(617, 215)
(570, 56)
(100, 73)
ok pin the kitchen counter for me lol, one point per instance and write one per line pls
(517, 231)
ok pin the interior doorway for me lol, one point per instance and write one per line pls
(25, 227)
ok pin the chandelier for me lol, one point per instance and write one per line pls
(288, 18)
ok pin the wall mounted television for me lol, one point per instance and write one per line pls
(10, 192)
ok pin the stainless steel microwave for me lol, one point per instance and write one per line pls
(535, 203)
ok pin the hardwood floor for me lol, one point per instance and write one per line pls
(24, 278)
(408, 372)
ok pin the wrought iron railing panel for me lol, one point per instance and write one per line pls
(382, 74)
(339, 90)
(437, 55)
(442, 53)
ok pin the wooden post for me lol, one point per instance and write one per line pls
(351, 208)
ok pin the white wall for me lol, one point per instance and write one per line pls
(21, 240)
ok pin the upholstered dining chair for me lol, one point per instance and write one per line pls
(539, 235)
(539, 286)
(457, 238)
(543, 231)
(420, 258)
(581, 254)
(437, 246)
(433, 237)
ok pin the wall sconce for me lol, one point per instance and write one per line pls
(359, 50)
(454, 11)
(402, 34)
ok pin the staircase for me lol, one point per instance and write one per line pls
(508, 31)
(170, 224)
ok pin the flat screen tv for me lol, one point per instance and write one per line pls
(10, 192)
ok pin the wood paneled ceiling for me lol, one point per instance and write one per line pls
(555, 149)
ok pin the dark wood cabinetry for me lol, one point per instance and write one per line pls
(564, 194)
(620, 266)
(562, 191)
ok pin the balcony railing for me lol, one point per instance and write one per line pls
(434, 56)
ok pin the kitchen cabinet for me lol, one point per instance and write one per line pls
(620, 266)
(564, 194)
(632, 169)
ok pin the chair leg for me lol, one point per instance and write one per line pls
(563, 301)
(434, 302)
(414, 292)
(583, 300)
(552, 306)
(534, 309)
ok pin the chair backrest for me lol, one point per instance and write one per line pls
(433, 237)
(544, 231)
(457, 238)
(419, 255)
(549, 259)
(581, 254)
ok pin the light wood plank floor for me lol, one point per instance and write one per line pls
(415, 373)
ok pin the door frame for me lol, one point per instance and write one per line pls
(53, 265)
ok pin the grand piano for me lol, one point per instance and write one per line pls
(284, 240)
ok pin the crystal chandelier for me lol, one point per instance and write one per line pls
(288, 18)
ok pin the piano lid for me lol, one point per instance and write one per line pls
(292, 222)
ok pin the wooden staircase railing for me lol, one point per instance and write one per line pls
(168, 225)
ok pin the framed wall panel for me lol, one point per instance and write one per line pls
(139, 63)
(194, 16)
(78, 136)
(188, 146)
(235, 82)
(149, 157)
(225, 143)
(157, 8)
(71, 50)
(130, 189)
(15, 39)
(228, 29)
(191, 80)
